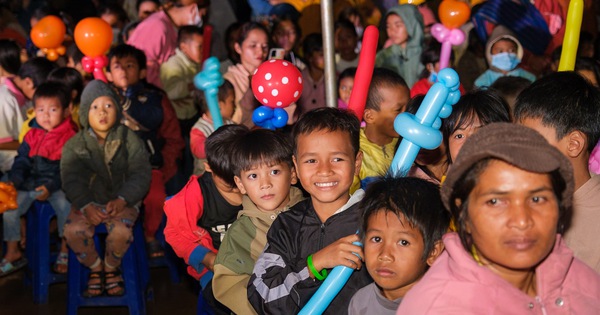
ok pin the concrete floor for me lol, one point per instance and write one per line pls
(169, 298)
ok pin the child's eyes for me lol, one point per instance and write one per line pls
(275, 172)
(404, 243)
(251, 176)
(538, 199)
(493, 202)
(310, 161)
(375, 239)
(459, 136)
(338, 159)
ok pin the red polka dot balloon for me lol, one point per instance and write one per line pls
(277, 83)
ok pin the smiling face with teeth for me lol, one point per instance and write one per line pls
(326, 165)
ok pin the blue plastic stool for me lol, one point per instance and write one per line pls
(38, 251)
(134, 267)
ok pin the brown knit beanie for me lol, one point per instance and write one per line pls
(517, 145)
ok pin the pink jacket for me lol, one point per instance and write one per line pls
(456, 284)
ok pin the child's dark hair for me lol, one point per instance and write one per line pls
(70, 78)
(584, 63)
(415, 199)
(344, 23)
(74, 52)
(186, 32)
(382, 77)
(115, 9)
(274, 148)
(219, 148)
(10, 56)
(328, 119)
(431, 55)
(222, 94)
(312, 43)
(51, 90)
(277, 22)
(347, 73)
(125, 50)
(509, 87)
(37, 69)
(564, 101)
(482, 104)
(229, 33)
(247, 27)
(139, 2)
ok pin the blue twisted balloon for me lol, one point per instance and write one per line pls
(209, 80)
(422, 130)
(328, 290)
(270, 118)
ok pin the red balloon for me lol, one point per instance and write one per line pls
(453, 13)
(277, 83)
(93, 36)
(49, 32)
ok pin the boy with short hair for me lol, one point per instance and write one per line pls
(317, 233)
(15, 96)
(105, 171)
(503, 52)
(143, 114)
(177, 75)
(204, 127)
(200, 214)
(565, 108)
(264, 174)
(36, 171)
(388, 96)
(403, 224)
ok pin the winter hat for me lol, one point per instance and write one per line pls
(515, 144)
(501, 32)
(92, 91)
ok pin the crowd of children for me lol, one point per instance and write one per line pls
(500, 218)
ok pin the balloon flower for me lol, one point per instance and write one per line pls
(364, 72)
(48, 35)
(93, 36)
(8, 197)
(571, 39)
(208, 80)
(276, 84)
(422, 129)
(453, 14)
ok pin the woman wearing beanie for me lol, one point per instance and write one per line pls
(510, 194)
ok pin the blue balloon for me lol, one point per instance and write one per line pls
(421, 130)
(280, 118)
(209, 80)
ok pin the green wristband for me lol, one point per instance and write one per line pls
(320, 276)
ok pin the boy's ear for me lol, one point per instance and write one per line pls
(239, 184)
(437, 249)
(207, 167)
(369, 116)
(577, 143)
(295, 163)
(358, 162)
(294, 176)
(142, 74)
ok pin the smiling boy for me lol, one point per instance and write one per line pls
(316, 234)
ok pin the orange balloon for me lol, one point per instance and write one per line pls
(49, 32)
(8, 197)
(453, 13)
(93, 36)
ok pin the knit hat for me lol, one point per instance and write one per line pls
(92, 91)
(501, 32)
(515, 144)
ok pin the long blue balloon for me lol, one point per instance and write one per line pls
(422, 130)
(328, 290)
(209, 80)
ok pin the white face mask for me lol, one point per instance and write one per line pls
(196, 18)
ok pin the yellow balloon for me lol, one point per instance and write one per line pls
(571, 39)
(415, 2)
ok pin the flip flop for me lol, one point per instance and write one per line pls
(7, 267)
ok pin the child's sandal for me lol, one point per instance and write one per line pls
(98, 287)
(110, 285)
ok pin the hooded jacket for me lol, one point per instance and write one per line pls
(97, 173)
(493, 73)
(243, 243)
(456, 284)
(280, 283)
(405, 61)
(38, 158)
